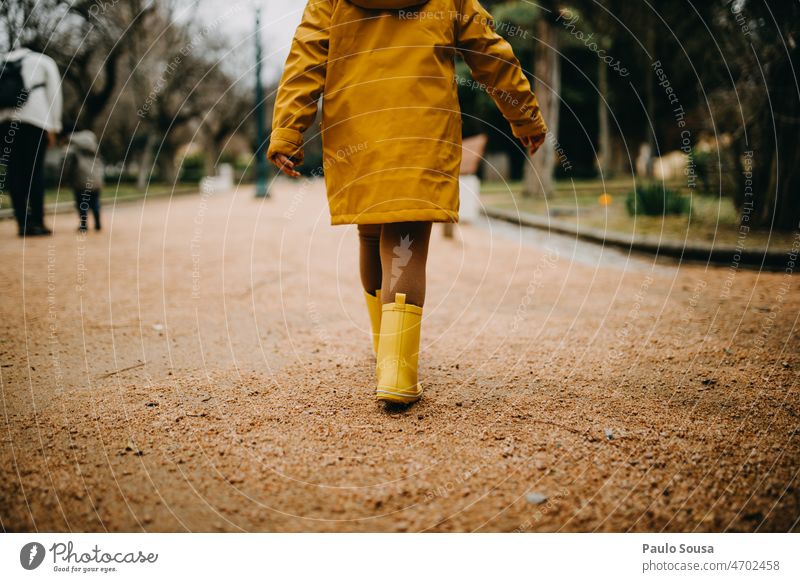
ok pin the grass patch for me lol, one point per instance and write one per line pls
(708, 219)
(109, 193)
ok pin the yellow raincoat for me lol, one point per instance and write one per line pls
(391, 122)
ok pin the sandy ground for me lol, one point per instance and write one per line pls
(204, 364)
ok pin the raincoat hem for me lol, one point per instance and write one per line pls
(406, 215)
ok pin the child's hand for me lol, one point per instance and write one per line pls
(285, 165)
(533, 143)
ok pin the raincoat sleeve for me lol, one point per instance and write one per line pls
(302, 82)
(493, 64)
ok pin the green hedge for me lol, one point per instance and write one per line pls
(656, 200)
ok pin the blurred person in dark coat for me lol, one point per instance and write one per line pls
(30, 120)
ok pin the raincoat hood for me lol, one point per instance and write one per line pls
(387, 4)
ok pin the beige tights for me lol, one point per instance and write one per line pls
(392, 258)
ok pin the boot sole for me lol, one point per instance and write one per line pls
(398, 397)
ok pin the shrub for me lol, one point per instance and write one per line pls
(656, 200)
(192, 168)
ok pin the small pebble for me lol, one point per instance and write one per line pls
(536, 498)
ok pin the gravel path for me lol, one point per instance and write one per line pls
(204, 364)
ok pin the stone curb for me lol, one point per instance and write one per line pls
(722, 255)
(62, 207)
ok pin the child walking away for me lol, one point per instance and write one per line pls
(385, 70)
(83, 171)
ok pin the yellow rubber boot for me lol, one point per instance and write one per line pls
(374, 308)
(398, 352)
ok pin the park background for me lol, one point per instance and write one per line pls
(203, 364)
(685, 113)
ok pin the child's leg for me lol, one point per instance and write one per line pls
(82, 204)
(404, 254)
(369, 238)
(95, 202)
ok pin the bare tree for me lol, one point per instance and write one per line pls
(762, 44)
(547, 86)
(87, 40)
(152, 58)
(171, 77)
(224, 118)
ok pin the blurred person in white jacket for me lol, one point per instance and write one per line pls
(30, 119)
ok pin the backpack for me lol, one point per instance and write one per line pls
(13, 92)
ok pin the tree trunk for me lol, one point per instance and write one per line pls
(781, 208)
(169, 169)
(539, 179)
(146, 162)
(650, 96)
(211, 156)
(785, 204)
(603, 130)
